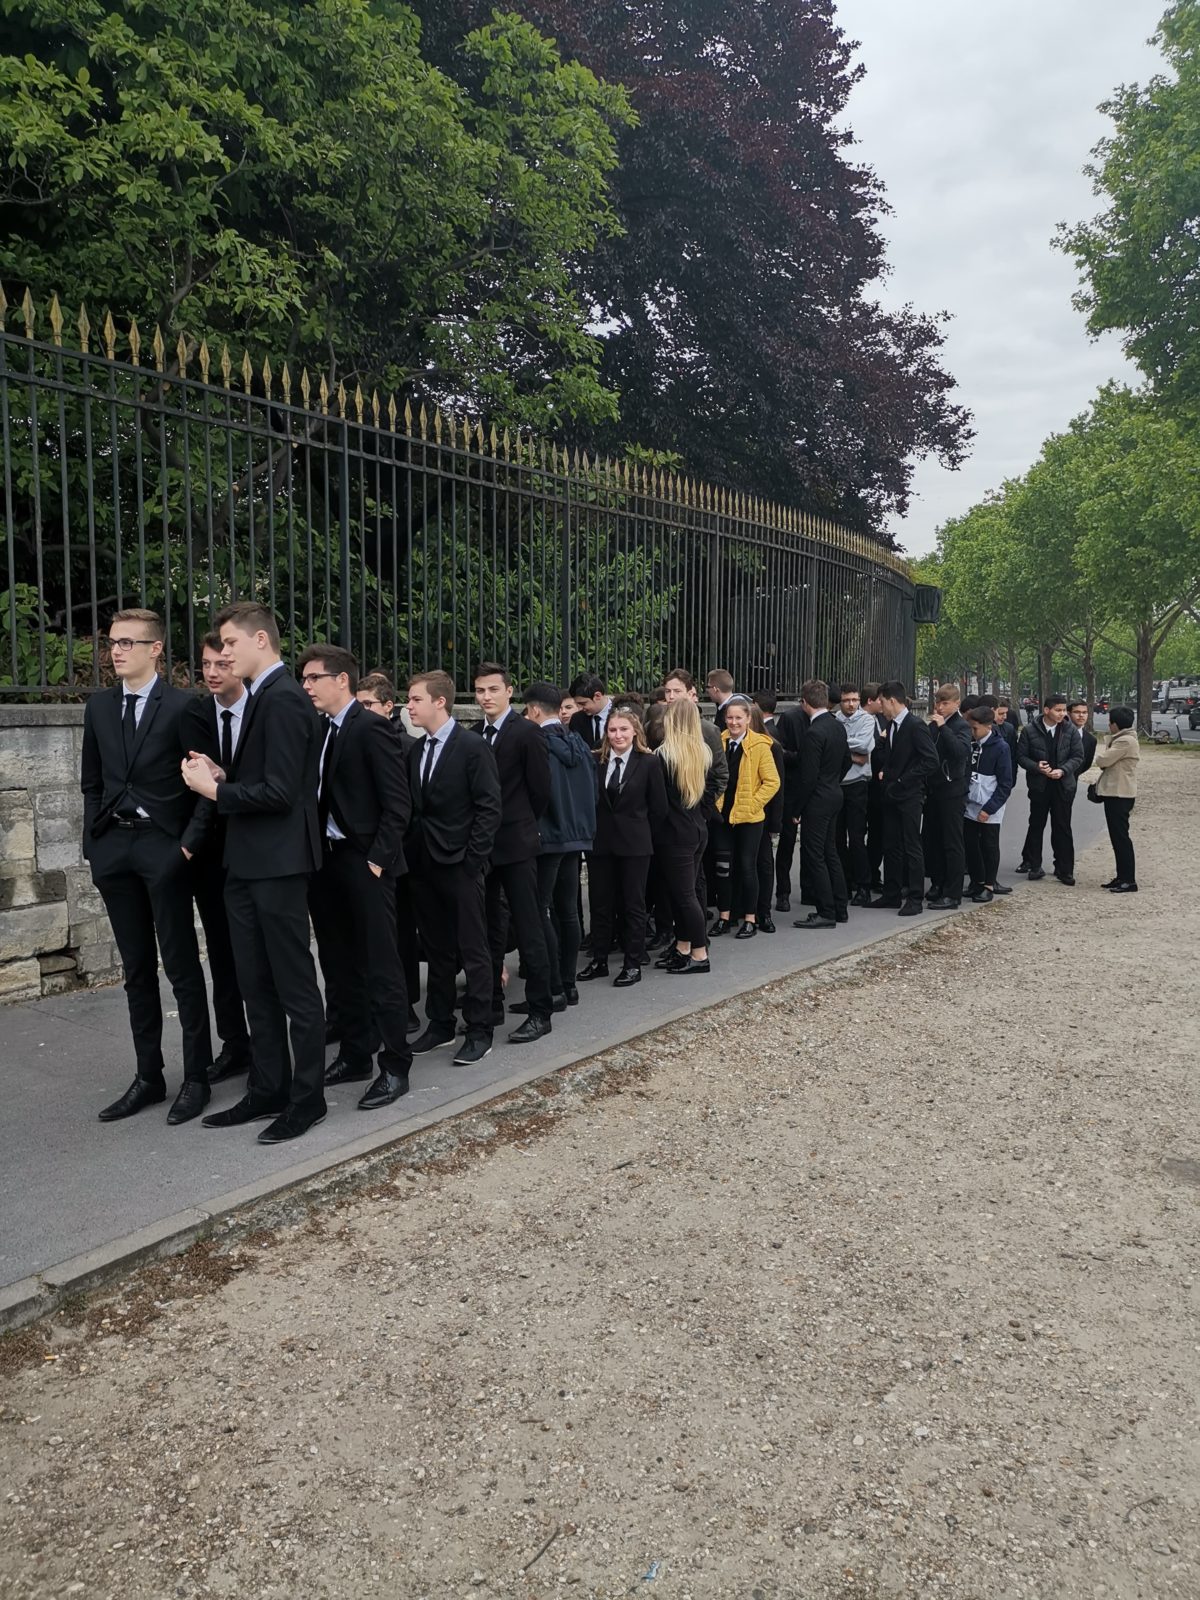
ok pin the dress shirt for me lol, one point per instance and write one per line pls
(332, 831)
(612, 761)
(439, 744)
(238, 709)
(140, 698)
(495, 726)
(600, 718)
(255, 684)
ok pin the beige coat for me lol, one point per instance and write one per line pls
(1118, 765)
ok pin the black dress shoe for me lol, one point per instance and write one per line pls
(1001, 888)
(748, 930)
(244, 1111)
(1124, 888)
(571, 994)
(343, 1071)
(189, 1102)
(673, 958)
(474, 1048)
(627, 977)
(1111, 884)
(520, 1008)
(934, 892)
(333, 1032)
(943, 903)
(230, 1063)
(982, 897)
(1035, 873)
(141, 1092)
(593, 970)
(534, 1027)
(1024, 867)
(841, 916)
(765, 925)
(690, 966)
(884, 903)
(434, 1038)
(658, 937)
(290, 1124)
(783, 902)
(1067, 878)
(815, 921)
(388, 1086)
(719, 927)
(861, 898)
(911, 908)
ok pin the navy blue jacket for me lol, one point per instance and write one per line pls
(991, 758)
(569, 821)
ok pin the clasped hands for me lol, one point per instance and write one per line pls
(201, 774)
(1047, 771)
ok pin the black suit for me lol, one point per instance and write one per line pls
(620, 859)
(272, 847)
(790, 729)
(680, 836)
(1088, 741)
(822, 762)
(455, 818)
(523, 763)
(1050, 798)
(406, 917)
(584, 724)
(200, 731)
(942, 833)
(1009, 730)
(908, 761)
(364, 794)
(139, 867)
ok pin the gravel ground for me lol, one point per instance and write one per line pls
(880, 1284)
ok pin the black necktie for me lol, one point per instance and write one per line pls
(596, 727)
(326, 760)
(427, 769)
(735, 762)
(614, 780)
(129, 723)
(489, 733)
(227, 740)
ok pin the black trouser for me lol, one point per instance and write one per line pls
(268, 923)
(942, 839)
(766, 874)
(558, 895)
(354, 916)
(736, 846)
(785, 854)
(981, 845)
(146, 885)
(208, 888)
(1052, 801)
(449, 899)
(619, 879)
(874, 788)
(679, 875)
(903, 858)
(1116, 814)
(820, 867)
(851, 834)
(517, 881)
(407, 942)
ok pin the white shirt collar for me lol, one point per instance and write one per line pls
(551, 722)
(821, 712)
(255, 684)
(140, 694)
(900, 716)
(341, 716)
(238, 706)
(499, 722)
(444, 732)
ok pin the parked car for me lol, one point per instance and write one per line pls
(1101, 705)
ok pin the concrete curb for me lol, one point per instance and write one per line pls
(33, 1297)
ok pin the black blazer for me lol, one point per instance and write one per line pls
(1009, 732)
(1034, 745)
(368, 788)
(908, 762)
(953, 744)
(682, 830)
(1088, 740)
(627, 828)
(523, 763)
(269, 798)
(150, 778)
(199, 731)
(823, 762)
(460, 816)
(581, 723)
(790, 729)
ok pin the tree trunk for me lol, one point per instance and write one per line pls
(1144, 635)
(1014, 678)
(1089, 681)
(996, 673)
(1045, 669)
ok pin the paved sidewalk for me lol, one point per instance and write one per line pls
(70, 1186)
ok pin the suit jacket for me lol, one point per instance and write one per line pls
(199, 731)
(269, 798)
(909, 760)
(682, 830)
(368, 788)
(790, 729)
(523, 763)
(458, 819)
(1009, 731)
(824, 760)
(626, 827)
(581, 723)
(150, 777)
(718, 771)
(1035, 745)
(953, 744)
(1088, 741)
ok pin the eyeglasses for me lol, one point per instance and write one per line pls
(124, 644)
(363, 702)
(313, 677)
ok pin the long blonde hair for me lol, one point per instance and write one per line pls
(687, 757)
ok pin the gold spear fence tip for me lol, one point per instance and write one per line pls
(285, 383)
(375, 407)
(159, 349)
(226, 365)
(56, 319)
(358, 402)
(3, 307)
(85, 327)
(341, 398)
(305, 387)
(203, 357)
(27, 312)
(181, 355)
(323, 395)
(266, 376)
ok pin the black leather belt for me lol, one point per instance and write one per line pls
(132, 822)
(335, 844)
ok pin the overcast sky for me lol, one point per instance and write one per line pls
(978, 115)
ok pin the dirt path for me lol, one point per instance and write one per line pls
(883, 1285)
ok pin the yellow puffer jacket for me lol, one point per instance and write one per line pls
(758, 779)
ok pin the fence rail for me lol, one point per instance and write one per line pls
(413, 540)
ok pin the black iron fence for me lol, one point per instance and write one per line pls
(178, 481)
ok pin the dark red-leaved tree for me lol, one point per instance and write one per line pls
(741, 331)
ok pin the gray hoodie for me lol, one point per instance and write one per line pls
(860, 736)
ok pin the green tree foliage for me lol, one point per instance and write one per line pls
(300, 179)
(1140, 259)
